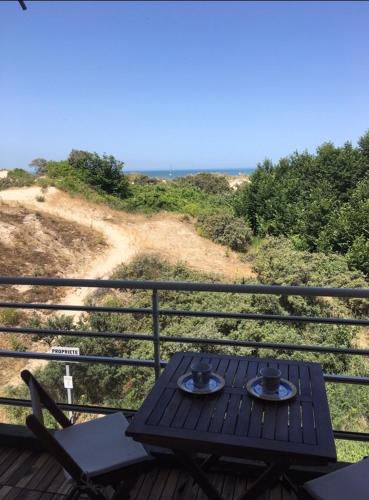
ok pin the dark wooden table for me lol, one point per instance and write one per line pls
(234, 424)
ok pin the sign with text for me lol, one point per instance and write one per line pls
(69, 351)
(68, 382)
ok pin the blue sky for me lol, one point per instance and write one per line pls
(181, 85)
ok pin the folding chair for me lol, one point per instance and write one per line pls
(93, 454)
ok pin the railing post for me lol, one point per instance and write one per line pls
(156, 331)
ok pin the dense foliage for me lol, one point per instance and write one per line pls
(206, 182)
(226, 229)
(103, 173)
(128, 386)
(140, 194)
(319, 201)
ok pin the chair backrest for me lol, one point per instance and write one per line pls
(35, 423)
(40, 398)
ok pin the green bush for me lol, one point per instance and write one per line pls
(226, 230)
(174, 198)
(103, 173)
(320, 201)
(206, 182)
(17, 178)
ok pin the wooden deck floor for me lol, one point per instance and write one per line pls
(27, 475)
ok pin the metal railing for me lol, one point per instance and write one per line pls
(155, 312)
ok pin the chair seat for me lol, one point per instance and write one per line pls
(101, 446)
(351, 482)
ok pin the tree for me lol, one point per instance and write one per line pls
(364, 144)
(40, 164)
(101, 172)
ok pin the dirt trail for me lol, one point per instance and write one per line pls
(129, 234)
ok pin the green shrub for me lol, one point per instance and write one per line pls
(103, 173)
(10, 317)
(206, 182)
(226, 230)
(17, 178)
(174, 198)
(17, 345)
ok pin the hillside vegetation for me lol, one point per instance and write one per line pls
(126, 387)
(303, 221)
(319, 201)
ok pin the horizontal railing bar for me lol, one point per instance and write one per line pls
(185, 340)
(74, 333)
(266, 345)
(94, 409)
(63, 307)
(190, 286)
(351, 436)
(346, 379)
(200, 314)
(80, 359)
(266, 317)
(27, 403)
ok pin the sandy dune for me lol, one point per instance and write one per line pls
(129, 234)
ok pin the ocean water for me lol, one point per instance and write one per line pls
(172, 174)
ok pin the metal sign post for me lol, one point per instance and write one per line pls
(68, 379)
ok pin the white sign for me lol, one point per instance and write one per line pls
(68, 382)
(70, 351)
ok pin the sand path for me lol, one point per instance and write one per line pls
(129, 234)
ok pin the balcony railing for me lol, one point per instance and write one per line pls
(155, 311)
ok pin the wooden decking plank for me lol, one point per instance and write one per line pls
(160, 483)
(8, 461)
(240, 487)
(37, 466)
(5, 453)
(23, 472)
(146, 489)
(49, 483)
(23, 457)
(228, 486)
(11, 493)
(276, 493)
(171, 484)
(4, 490)
(41, 478)
(137, 486)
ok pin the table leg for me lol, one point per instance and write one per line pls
(265, 481)
(198, 475)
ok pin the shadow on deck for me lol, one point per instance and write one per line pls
(30, 475)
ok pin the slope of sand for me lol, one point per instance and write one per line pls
(127, 235)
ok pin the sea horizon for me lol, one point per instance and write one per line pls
(174, 173)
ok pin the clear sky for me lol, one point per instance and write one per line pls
(181, 85)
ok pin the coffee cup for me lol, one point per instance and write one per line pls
(201, 374)
(271, 379)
